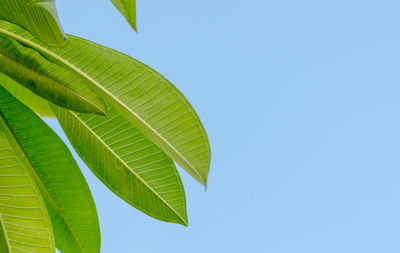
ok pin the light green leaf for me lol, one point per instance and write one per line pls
(25, 96)
(127, 162)
(46, 79)
(63, 187)
(139, 93)
(128, 9)
(26, 222)
(37, 16)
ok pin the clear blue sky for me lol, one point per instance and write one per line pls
(301, 101)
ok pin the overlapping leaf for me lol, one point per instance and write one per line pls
(127, 162)
(36, 103)
(136, 91)
(173, 206)
(46, 79)
(37, 16)
(63, 187)
(128, 9)
(27, 225)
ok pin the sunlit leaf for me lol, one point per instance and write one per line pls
(37, 16)
(26, 221)
(5, 245)
(128, 9)
(63, 187)
(127, 162)
(136, 91)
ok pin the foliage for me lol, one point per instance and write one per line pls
(126, 121)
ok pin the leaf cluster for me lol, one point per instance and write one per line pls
(127, 122)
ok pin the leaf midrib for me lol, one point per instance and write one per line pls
(90, 79)
(128, 167)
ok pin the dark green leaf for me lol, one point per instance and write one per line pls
(36, 103)
(46, 79)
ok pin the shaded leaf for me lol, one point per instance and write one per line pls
(25, 96)
(63, 187)
(37, 16)
(139, 93)
(46, 79)
(127, 162)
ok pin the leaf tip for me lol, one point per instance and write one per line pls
(102, 113)
(184, 222)
(62, 43)
(98, 110)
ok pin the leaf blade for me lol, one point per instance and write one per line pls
(58, 177)
(28, 98)
(40, 17)
(5, 245)
(21, 204)
(127, 163)
(167, 119)
(46, 79)
(128, 9)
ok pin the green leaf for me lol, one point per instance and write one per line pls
(5, 245)
(46, 79)
(37, 16)
(128, 9)
(127, 163)
(139, 93)
(25, 96)
(152, 152)
(26, 221)
(63, 187)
